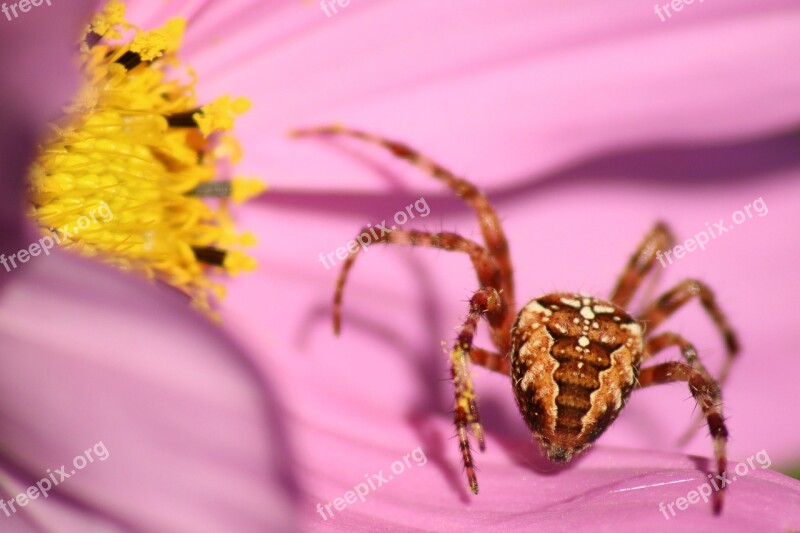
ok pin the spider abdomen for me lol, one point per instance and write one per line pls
(574, 362)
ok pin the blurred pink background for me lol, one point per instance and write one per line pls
(584, 124)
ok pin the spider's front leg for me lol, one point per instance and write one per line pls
(493, 361)
(707, 394)
(484, 301)
(490, 226)
(485, 268)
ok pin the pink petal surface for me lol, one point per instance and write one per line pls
(184, 435)
(501, 90)
(622, 127)
(193, 438)
(611, 490)
(361, 401)
(39, 77)
(608, 92)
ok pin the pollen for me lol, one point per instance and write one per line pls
(137, 171)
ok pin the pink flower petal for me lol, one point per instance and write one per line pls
(184, 436)
(528, 86)
(39, 77)
(610, 489)
(387, 369)
(510, 95)
(93, 356)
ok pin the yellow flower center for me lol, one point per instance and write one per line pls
(130, 173)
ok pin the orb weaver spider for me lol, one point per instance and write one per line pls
(573, 359)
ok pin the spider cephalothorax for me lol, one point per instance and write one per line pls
(573, 359)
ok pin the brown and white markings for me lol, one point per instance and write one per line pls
(573, 359)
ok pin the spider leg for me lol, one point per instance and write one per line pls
(493, 361)
(662, 341)
(707, 394)
(485, 268)
(676, 298)
(491, 229)
(466, 409)
(689, 353)
(641, 262)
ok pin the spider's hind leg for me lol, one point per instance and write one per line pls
(676, 298)
(707, 394)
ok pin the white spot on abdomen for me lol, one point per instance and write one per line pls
(570, 302)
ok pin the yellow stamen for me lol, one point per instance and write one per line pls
(219, 114)
(245, 188)
(133, 147)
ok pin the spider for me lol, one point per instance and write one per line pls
(573, 359)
